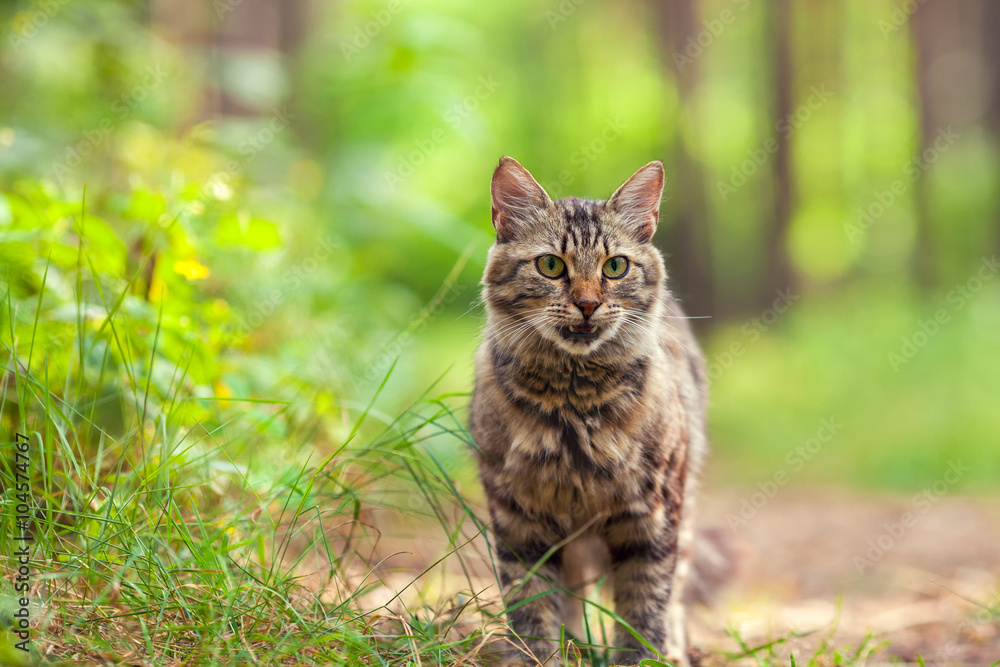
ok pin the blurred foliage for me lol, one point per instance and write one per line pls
(297, 249)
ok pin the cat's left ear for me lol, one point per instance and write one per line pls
(638, 200)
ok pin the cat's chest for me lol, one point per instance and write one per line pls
(577, 474)
(596, 396)
(584, 446)
(581, 435)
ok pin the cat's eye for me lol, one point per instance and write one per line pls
(616, 267)
(550, 266)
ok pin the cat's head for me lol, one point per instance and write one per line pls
(575, 273)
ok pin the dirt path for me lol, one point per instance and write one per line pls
(891, 578)
(915, 571)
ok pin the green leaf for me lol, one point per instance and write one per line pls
(254, 233)
(146, 205)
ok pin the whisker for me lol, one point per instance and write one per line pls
(513, 334)
(644, 320)
(669, 317)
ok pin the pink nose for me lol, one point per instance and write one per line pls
(587, 307)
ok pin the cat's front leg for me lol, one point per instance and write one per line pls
(535, 601)
(643, 550)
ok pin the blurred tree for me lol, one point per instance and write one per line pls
(955, 63)
(925, 38)
(689, 240)
(244, 40)
(187, 23)
(778, 271)
(991, 62)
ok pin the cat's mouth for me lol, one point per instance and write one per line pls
(583, 332)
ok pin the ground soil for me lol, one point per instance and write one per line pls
(851, 571)
(858, 567)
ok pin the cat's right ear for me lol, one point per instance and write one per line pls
(516, 198)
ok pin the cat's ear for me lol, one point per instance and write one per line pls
(637, 201)
(516, 198)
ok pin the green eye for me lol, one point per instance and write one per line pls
(550, 266)
(616, 267)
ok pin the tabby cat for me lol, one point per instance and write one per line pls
(588, 411)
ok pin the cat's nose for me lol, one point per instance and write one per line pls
(587, 307)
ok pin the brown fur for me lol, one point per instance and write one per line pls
(594, 436)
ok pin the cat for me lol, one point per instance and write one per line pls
(588, 412)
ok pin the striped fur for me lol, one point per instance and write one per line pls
(589, 436)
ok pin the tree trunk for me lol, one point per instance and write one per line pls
(923, 26)
(991, 62)
(688, 244)
(778, 272)
(189, 23)
(221, 29)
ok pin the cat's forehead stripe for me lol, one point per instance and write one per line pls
(582, 222)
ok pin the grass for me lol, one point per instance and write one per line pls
(170, 526)
(769, 653)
